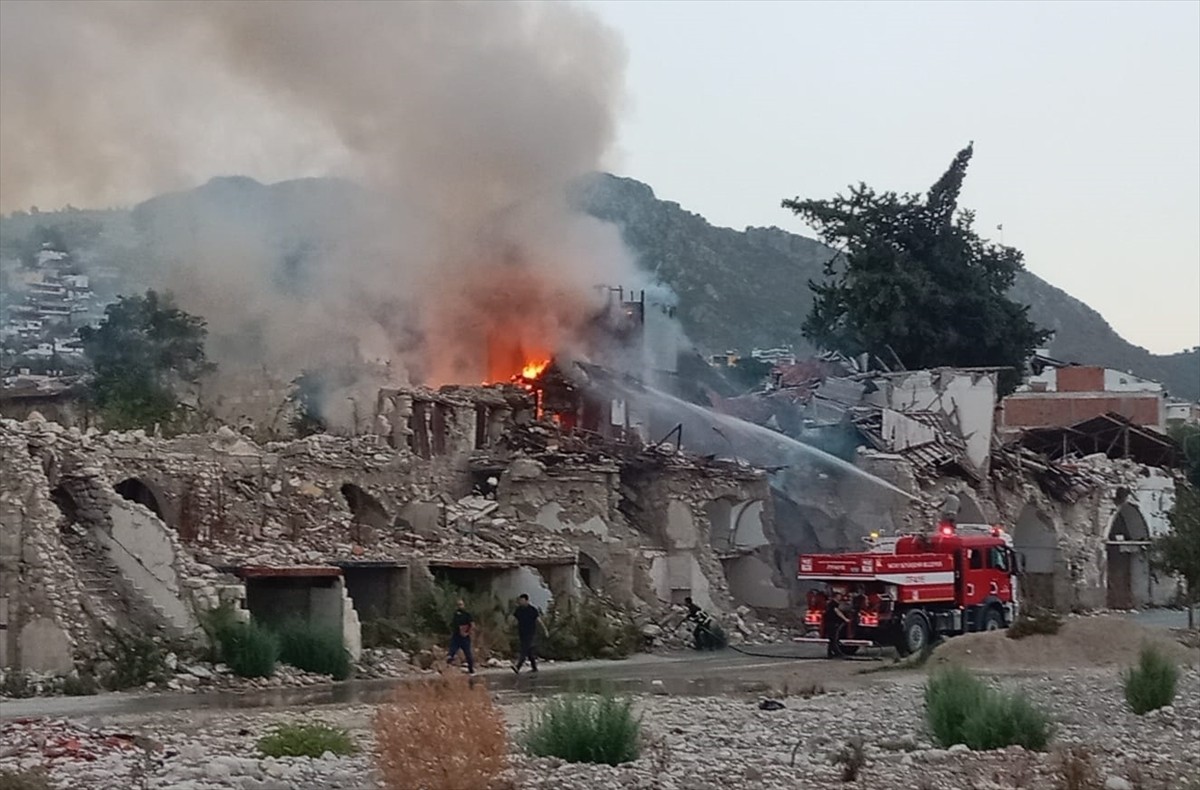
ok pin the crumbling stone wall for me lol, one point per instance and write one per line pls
(39, 596)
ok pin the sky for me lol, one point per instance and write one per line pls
(1085, 118)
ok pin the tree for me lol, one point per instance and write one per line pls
(1188, 437)
(145, 349)
(1179, 550)
(915, 282)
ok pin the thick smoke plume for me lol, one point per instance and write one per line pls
(466, 121)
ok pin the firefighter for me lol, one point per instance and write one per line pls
(857, 604)
(702, 633)
(835, 621)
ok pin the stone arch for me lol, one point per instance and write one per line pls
(1035, 539)
(1128, 524)
(137, 490)
(589, 572)
(969, 511)
(735, 524)
(367, 510)
(1127, 566)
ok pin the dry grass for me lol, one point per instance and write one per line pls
(1076, 771)
(442, 734)
(852, 758)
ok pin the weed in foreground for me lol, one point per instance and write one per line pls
(1151, 684)
(959, 708)
(441, 734)
(307, 739)
(1075, 770)
(851, 758)
(585, 729)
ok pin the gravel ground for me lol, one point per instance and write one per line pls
(692, 743)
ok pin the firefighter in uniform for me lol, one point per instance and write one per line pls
(835, 622)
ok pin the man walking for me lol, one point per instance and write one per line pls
(527, 622)
(461, 626)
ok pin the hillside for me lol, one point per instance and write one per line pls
(742, 289)
(736, 289)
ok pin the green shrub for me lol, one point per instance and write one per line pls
(309, 739)
(382, 632)
(314, 649)
(136, 660)
(433, 609)
(1151, 684)
(250, 650)
(214, 623)
(18, 684)
(588, 628)
(29, 779)
(959, 708)
(585, 729)
(82, 685)
(950, 696)
(1034, 621)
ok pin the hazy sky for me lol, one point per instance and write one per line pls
(1085, 117)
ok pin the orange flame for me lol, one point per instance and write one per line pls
(534, 369)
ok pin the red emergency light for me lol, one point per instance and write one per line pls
(946, 528)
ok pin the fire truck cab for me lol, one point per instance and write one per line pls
(908, 590)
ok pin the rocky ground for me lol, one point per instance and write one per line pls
(691, 743)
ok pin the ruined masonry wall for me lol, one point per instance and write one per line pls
(39, 595)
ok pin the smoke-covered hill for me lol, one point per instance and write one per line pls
(736, 289)
(741, 289)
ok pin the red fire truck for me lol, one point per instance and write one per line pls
(908, 590)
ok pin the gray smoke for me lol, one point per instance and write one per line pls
(466, 121)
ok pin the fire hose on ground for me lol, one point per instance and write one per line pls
(723, 641)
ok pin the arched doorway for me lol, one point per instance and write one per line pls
(1128, 565)
(135, 490)
(1034, 539)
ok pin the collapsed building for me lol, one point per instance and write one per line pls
(1083, 501)
(566, 477)
(461, 484)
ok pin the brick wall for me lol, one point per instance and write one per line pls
(1080, 379)
(1057, 409)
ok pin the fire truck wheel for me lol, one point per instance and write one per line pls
(993, 619)
(914, 633)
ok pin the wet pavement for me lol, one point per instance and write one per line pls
(683, 673)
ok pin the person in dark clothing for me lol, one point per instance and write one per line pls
(702, 634)
(835, 621)
(527, 622)
(461, 626)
